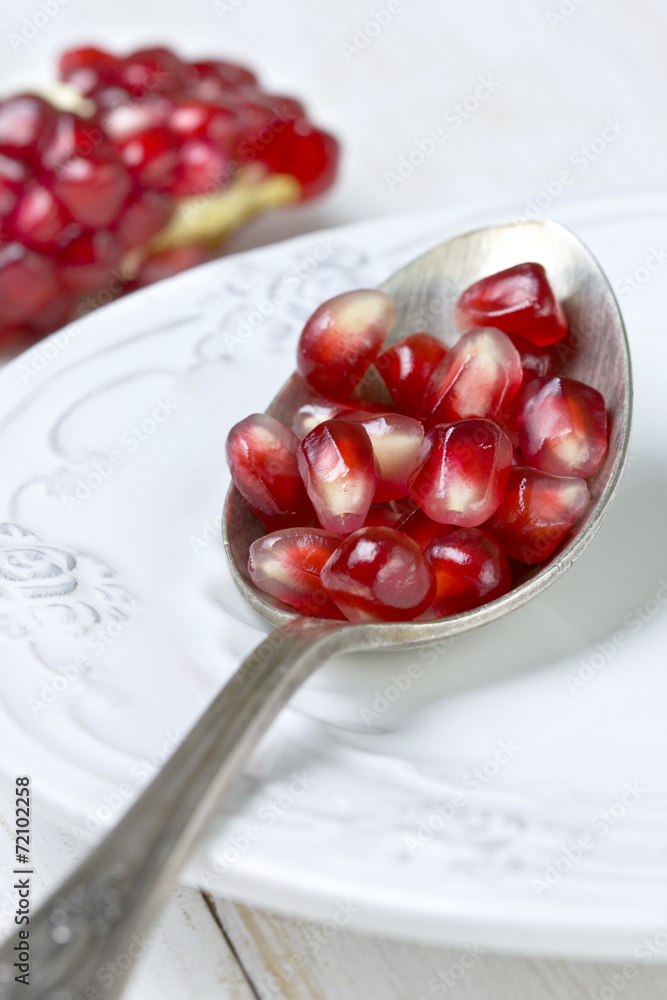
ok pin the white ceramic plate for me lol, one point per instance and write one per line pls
(509, 788)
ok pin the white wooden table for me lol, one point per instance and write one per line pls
(524, 91)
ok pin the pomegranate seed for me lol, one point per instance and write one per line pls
(131, 118)
(152, 70)
(202, 169)
(562, 426)
(28, 281)
(518, 300)
(303, 151)
(58, 311)
(151, 157)
(396, 440)
(13, 176)
(536, 513)
(318, 409)
(406, 369)
(461, 472)
(420, 528)
(167, 263)
(195, 119)
(38, 218)
(27, 123)
(535, 363)
(143, 217)
(89, 261)
(378, 574)
(470, 569)
(287, 564)
(337, 465)
(385, 515)
(342, 339)
(89, 69)
(478, 377)
(93, 190)
(211, 78)
(261, 454)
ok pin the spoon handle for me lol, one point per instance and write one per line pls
(84, 938)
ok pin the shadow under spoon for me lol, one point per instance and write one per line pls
(117, 892)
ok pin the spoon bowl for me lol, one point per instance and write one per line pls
(116, 893)
(425, 294)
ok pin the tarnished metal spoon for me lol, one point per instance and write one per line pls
(116, 893)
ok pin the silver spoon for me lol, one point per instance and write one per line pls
(116, 893)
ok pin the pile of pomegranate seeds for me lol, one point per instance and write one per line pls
(78, 194)
(431, 506)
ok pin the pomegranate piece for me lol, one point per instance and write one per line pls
(478, 377)
(518, 300)
(420, 528)
(202, 168)
(406, 369)
(93, 190)
(337, 464)
(396, 440)
(28, 281)
(215, 77)
(461, 472)
(562, 426)
(261, 454)
(195, 119)
(536, 513)
(470, 569)
(303, 151)
(379, 574)
(167, 263)
(133, 117)
(342, 339)
(287, 564)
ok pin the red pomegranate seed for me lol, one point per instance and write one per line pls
(151, 157)
(518, 300)
(38, 218)
(562, 426)
(261, 454)
(28, 281)
(58, 311)
(303, 151)
(536, 513)
(318, 409)
(406, 369)
(196, 119)
(27, 123)
(342, 339)
(470, 570)
(134, 117)
(214, 77)
(461, 472)
(155, 70)
(89, 69)
(396, 440)
(93, 190)
(202, 168)
(167, 263)
(287, 564)
(337, 465)
(385, 515)
(478, 377)
(420, 528)
(535, 362)
(13, 176)
(378, 574)
(143, 217)
(89, 261)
